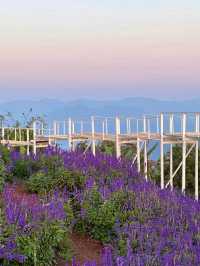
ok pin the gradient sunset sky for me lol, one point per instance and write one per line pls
(68, 49)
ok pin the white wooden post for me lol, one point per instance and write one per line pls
(183, 153)
(73, 127)
(93, 136)
(145, 147)
(197, 159)
(34, 138)
(162, 181)
(138, 155)
(70, 133)
(117, 141)
(145, 160)
(171, 121)
(27, 138)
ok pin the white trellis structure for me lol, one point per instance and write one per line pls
(164, 128)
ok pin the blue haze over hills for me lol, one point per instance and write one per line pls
(84, 108)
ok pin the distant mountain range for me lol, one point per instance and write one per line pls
(55, 109)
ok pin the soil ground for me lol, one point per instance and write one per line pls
(85, 249)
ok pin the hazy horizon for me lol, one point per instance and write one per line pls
(112, 99)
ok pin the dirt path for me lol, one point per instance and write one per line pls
(85, 249)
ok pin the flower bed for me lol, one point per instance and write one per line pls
(31, 229)
(106, 198)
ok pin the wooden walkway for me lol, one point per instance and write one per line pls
(165, 128)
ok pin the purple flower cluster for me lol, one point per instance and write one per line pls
(24, 214)
(154, 228)
(163, 227)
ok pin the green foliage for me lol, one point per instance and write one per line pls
(42, 182)
(2, 174)
(39, 183)
(21, 169)
(107, 147)
(101, 215)
(5, 153)
(41, 247)
(68, 179)
(53, 164)
(69, 212)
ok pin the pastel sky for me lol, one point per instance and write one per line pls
(69, 49)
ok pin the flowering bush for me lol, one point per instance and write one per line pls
(31, 230)
(108, 199)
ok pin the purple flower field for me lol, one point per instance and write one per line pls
(106, 198)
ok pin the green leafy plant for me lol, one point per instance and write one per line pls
(101, 215)
(2, 175)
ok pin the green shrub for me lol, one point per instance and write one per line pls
(42, 247)
(5, 153)
(52, 164)
(39, 183)
(68, 179)
(2, 175)
(101, 215)
(21, 169)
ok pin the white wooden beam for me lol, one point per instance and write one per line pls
(93, 136)
(183, 153)
(145, 160)
(171, 126)
(28, 139)
(181, 163)
(70, 133)
(138, 155)
(34, 138)
(117, 133)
